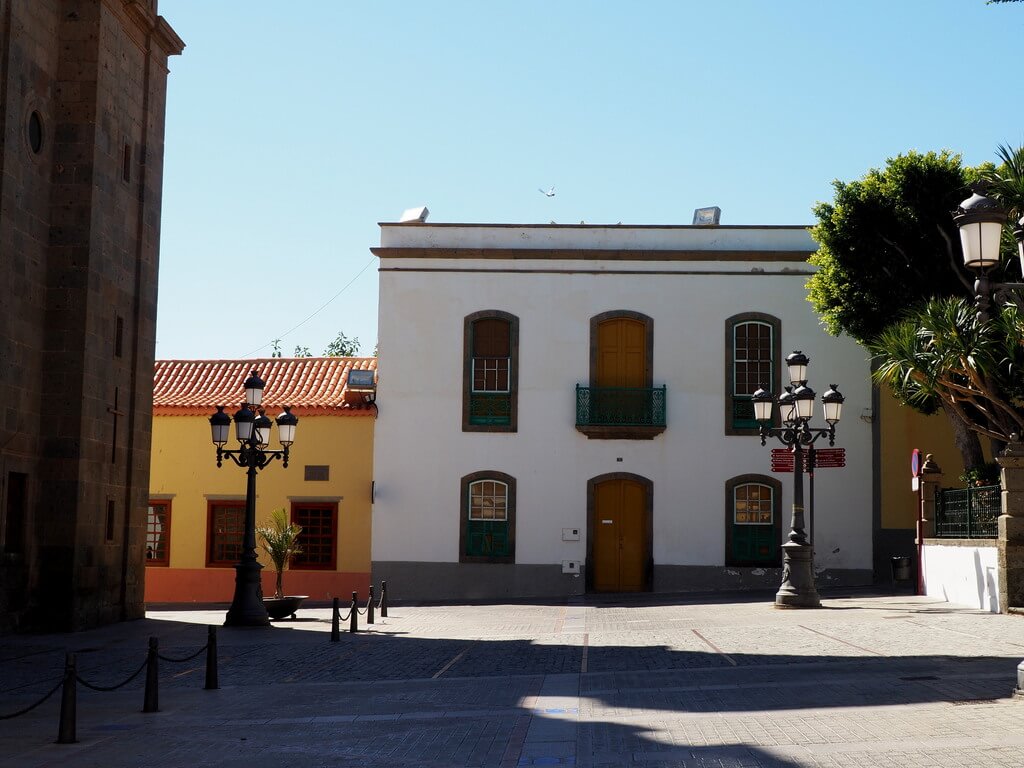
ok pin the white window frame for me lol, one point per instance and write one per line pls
(736, 360)
(508, 374)
(770, 500)
(469, 505)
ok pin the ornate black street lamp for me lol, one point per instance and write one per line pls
(252, 429)
(981, 220)
(797, 407)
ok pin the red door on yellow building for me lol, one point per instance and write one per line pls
(619, 532)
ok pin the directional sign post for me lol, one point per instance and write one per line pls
(782, 460)
(830, 458)
(824, 458)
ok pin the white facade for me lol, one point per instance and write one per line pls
(963, 571)
(554, 279)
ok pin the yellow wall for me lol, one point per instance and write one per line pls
(184, 468)
(903, 430)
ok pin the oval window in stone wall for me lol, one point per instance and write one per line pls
(35, 132)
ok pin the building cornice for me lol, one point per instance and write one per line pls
(588, 254)
(149, 22)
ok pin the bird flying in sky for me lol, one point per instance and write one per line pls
(549, 193)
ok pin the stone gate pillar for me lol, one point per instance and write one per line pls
(1011, 526)
(931, 481)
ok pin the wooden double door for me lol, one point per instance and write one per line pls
(620, 535)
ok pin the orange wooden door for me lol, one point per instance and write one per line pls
(620, 547)
(621, 353)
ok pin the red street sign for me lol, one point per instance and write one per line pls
(830, 458)
(824, 458)
(782, 460)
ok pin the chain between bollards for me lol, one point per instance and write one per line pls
(66, 729)
(353, 611)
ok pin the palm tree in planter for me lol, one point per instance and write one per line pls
(280, 540)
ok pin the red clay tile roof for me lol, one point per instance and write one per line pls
(310, 385)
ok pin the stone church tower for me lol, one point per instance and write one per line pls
(82, 94)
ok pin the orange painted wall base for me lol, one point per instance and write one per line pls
(217, 585)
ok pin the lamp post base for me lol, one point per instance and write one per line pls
(797, 590)
(247, 609)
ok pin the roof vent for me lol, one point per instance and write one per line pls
(414, 215)
(707, 217)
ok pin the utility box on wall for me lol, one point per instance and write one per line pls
(571, 566)
(570, 534)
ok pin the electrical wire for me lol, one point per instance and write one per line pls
(317, 312)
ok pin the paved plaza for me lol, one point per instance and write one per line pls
(653, 681)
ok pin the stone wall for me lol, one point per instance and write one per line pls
(83, 93)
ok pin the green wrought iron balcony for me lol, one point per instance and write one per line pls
(490, 408)
(629, 413)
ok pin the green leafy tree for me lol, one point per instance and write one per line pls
(1006, 184)
(887, 243)
(280, 540)
(940, 352)
(342, 346)
(943, 351)
(275, 348)
(302, 352)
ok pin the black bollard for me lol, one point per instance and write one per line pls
(335, 629)
(66, 729)
(353, 624)
(383, 599)
(369, 607)
(151, 697)
(212, 683)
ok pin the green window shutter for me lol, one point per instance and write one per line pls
(754, 543)
(743, 412)
(487, 538)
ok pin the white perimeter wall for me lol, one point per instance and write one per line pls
(421, 452)
(967, 574)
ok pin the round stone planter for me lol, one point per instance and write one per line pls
(280, 607)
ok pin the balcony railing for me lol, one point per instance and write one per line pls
(968, 513)
(490, 408)
(620, 406)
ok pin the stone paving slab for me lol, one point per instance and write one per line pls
(655, 681)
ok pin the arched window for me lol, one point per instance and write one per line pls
(490, 372)
(487, 528)
(753, 524)
(753, 348)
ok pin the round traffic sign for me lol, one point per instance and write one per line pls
(915, 463)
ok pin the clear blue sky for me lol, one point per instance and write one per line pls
(292, 129)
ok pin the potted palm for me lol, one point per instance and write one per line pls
(280, 540)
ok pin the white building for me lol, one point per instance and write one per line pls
(558, 398)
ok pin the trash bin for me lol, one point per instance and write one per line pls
(901, 570)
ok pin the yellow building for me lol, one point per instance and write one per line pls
(899, 429)
(196, 512)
